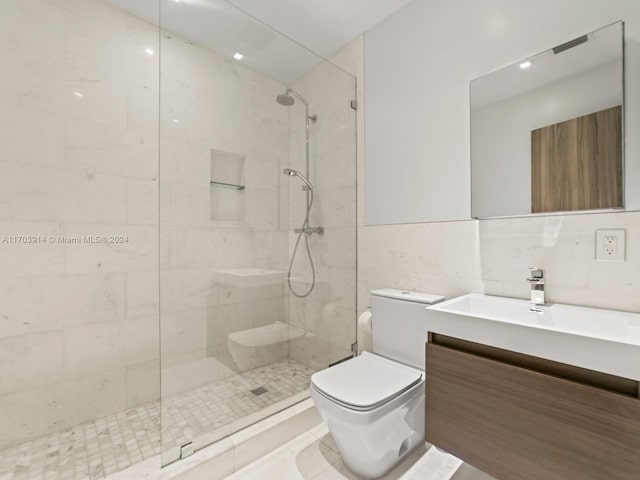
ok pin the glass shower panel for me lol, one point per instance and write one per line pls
(327, 314)
(237, 346)
(79, 356)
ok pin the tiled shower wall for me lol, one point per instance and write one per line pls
(79, 156)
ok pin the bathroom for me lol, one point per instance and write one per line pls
(161, 316)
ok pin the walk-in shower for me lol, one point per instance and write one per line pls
(133, 123)
(286, 99)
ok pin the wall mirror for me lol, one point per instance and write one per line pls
(547, 132)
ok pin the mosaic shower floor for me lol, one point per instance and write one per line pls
(99, 448)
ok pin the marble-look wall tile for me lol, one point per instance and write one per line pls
(270, 249)
(186, 163)
(24, 259)
(41, 355)
(565, 247)
(30, 305)
(87, 88)
(142, 202)
(136, 248)
(36, 26)
(20, 124)
(191, 328)
(182, 289)
(142, 294)
(106, 346)
(95, 147)
(143, 383)
(32, 80)
(142, 58)
(60, 195)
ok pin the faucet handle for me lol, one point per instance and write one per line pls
(536, 274)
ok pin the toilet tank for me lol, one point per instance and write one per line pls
(398, 329)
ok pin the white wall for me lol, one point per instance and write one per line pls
(419, 63)
(443, 45)
(501, 135)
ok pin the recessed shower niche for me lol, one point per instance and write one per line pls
(227, 197)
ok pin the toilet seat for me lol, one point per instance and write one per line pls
(365, 382)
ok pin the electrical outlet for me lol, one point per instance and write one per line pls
(610, 245)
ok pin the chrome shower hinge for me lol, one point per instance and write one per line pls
(354, 104)
(354, 348)
(187, 450)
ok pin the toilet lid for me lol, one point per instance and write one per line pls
(366, 381)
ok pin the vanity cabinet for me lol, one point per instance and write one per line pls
(520, 417)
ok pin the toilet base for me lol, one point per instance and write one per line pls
(372, 443)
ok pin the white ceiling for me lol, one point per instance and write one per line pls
(322, 26)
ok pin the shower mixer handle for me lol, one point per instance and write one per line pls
(309, 230)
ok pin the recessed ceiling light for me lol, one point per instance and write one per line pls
(78, 94)
(149, 51)
(238, 56)
(526, 64)
(175, 120)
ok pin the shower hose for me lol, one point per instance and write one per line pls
(302, 232)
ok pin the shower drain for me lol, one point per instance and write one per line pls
(259, 391)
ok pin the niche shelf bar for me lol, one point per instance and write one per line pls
(227, 185)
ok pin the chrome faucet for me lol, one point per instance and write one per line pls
(537, 288)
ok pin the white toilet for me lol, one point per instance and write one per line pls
(373, 404)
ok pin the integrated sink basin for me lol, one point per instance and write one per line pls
(597, 339)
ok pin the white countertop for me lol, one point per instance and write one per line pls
(597, 339)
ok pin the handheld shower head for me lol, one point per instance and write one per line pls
(294, 173)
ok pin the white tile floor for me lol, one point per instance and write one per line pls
(314, 455)
(107, 445)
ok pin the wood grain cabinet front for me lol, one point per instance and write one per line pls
(504, 413)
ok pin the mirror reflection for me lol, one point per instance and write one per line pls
(547, 131)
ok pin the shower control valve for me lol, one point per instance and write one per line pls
(309, 230)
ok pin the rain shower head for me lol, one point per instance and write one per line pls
(294, 173)
(285, 99)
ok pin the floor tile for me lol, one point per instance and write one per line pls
(107, 445)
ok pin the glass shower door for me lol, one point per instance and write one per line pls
(237, 346)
